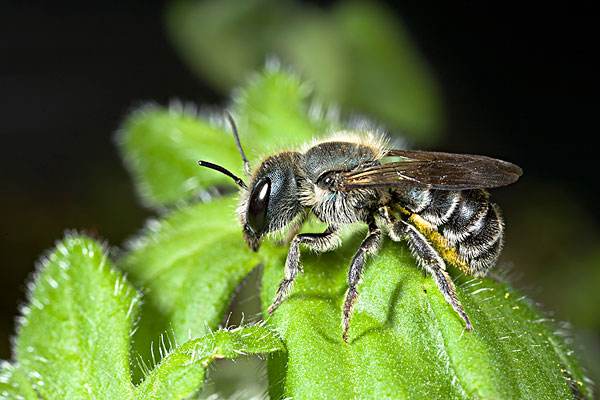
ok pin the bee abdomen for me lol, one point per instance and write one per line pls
(470, 223)
(441, 206)
(475, 229)
(482, 248)
(469, 217)
(485, 260)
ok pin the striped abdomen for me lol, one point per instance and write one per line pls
(470, 223)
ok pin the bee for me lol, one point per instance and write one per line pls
(436, 202)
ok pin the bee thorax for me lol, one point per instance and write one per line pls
(339, 208)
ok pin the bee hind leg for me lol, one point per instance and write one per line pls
(369, 246)
(430, 260)
(318, 242)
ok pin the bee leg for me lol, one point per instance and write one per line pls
(431, 261)
(396, 228)
(369, 246)
(318, 242)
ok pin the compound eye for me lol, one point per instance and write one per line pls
(259, 201)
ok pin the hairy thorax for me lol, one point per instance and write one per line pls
(317, 191)
(338, 208)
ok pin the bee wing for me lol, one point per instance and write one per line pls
(435, 170)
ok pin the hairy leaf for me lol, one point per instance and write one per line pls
(406, 342)
(14, 384)
(356, 54)
(277, 111)
(162, 146)
(73, 337)
(181, 373)
(188, 265)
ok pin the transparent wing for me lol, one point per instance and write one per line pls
(445, 171)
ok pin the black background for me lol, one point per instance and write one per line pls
(519, 82)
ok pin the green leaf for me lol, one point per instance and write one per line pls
(195, 27)
(188, 265)
(14, 384)
(181, 373)
(406, 342)
(391, 81)
(276, 110)
(73, 338)
(161, 146)
(395, 85)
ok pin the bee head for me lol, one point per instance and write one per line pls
(271, 201)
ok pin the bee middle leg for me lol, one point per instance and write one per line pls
(369, 246)
(318, 242)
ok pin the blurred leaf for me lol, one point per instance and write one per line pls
(73, 338)
(406, 342)
(367, 62)
(13, 384)
(580, 299)
(213, 37)
(393, 83)
(356, 54)
(189, 265)
(565, 266)
(181, 373)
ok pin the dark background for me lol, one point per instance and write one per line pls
(519, 82)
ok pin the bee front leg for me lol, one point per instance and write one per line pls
(318, 242)
(431, 261)
(369, 246)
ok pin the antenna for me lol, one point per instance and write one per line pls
(225, 171)
(238, 144)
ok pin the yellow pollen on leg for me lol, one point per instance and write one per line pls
(437, 240)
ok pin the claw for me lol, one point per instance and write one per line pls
(345, 336)
(272, 308)
(468, 325)
(282, 292)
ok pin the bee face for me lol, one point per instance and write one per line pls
(272, 200)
